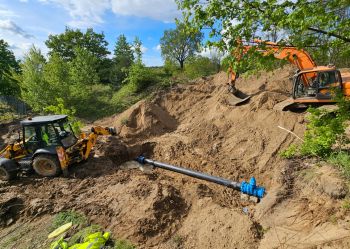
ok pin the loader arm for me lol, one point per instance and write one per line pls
(91, 138)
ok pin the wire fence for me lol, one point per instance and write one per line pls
(14, 104)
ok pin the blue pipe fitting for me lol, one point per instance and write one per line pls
(251, 188)
(141, 159)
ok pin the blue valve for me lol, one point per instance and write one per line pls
(251, 188)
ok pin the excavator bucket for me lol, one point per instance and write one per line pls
(286, 105)
(238, 98)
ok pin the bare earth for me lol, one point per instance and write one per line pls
(194, 126)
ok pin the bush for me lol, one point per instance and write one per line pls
(140, 77)
(323, 131)
(290, 152)
(199, 66)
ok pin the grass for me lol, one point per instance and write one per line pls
(68, 216)
(123, 244)
(342, 160)
(346, 204)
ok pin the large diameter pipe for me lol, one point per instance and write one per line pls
(246, 188)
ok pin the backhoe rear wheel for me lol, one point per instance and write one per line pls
(8, 170)
(47, 165)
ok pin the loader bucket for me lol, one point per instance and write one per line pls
(237, 98)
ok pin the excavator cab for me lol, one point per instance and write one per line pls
(316, 85)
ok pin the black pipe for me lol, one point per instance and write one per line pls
(246, 188)
(195, 174)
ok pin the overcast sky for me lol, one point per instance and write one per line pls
(27, 22)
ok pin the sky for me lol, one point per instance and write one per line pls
(27, 22)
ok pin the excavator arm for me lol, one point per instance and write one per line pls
(298, 57)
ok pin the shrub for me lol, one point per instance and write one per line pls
(290, 152)
(140, 77)
(199, 66)
(323, 130)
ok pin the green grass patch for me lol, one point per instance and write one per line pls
(346, 204)
(68, 216)
(290, 152)
(123, 244)
(342, 160)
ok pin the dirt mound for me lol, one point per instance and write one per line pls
(192, 125)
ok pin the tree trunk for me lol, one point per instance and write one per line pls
(181, 65)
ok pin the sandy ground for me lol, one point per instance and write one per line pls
(194, 126)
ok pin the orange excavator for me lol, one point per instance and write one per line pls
(312, 84)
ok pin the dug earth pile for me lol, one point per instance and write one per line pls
(194, 125)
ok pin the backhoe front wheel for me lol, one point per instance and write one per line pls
(47, 165)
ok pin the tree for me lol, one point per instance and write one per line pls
(123, 59)
(82, 76)
(179, 44)
(34, 89)
(65, 45)
(56, 76)
(303, 22)
(138, 49)
(8, 67)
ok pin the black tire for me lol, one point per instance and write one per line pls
(8, 170)
(46, 165)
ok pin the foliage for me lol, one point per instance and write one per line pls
(342, 160)
(199, 66)
(326, 129)
(322, 132)
(138, 49)
(179, 44)
(123, 59)
(123, 244)
(65, 44)
(137, 86)
(59, 108)
(301, 23)
(8, 67)
(67, 216)
(140, 77)
(34, 89)
(290, 152)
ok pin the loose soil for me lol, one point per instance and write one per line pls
(193, 125)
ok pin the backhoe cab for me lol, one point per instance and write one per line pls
(48, 145)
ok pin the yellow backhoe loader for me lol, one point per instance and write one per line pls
(48, 145)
